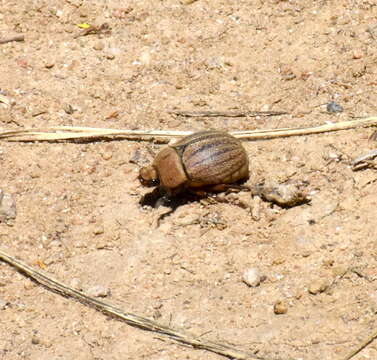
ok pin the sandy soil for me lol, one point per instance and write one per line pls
(79, 216)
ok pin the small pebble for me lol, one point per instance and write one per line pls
(256, 207)
(76, 284)
(5, 115)
(98, 46)
(145, 58)
(35, 172)
(286, 72)
(318, 286)
(98, 291)
(49, 64)
(75, 3)
(98, 230)
(280, 307)
(102, 243)
(252, 277)
(339, 270)
(54, 244)
(7, 207)
(107, 155)
(328, 262)
(278, 261)
(68, 108)
(333, 107)
(3, 304)
(137, 157)
(357, 54)
(110, 55)
(35, 340)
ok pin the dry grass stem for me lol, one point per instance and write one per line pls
(12, 38)
(230, 114)
(176, 335)
(285, 132)
(361, 346)
(72, 132)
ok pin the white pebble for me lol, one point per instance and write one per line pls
(7, 206)
(98, 291)
(252, 277)
(76, 284)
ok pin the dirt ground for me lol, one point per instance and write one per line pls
(78, 212)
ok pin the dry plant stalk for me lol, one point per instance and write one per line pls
(177, 335)
(72, 132)
(361, 346)
(12, 38)
(231, 114)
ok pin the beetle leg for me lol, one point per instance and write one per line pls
(237, 187)
(198, 192)
(219, 188)
(160, 217)
(227, 188)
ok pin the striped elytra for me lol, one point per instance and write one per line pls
(203, 159)
(212, 157)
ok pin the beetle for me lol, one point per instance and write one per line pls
(207, 160)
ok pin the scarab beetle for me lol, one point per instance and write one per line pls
(206, 160)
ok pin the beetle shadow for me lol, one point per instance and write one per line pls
(157, 197)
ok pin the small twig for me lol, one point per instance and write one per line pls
(177, 335)
(225, 113)
(12, 38)
(363, 161)
(361, 346)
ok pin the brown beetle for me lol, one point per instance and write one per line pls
(209, 160)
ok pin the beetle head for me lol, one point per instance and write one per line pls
(148, 176)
